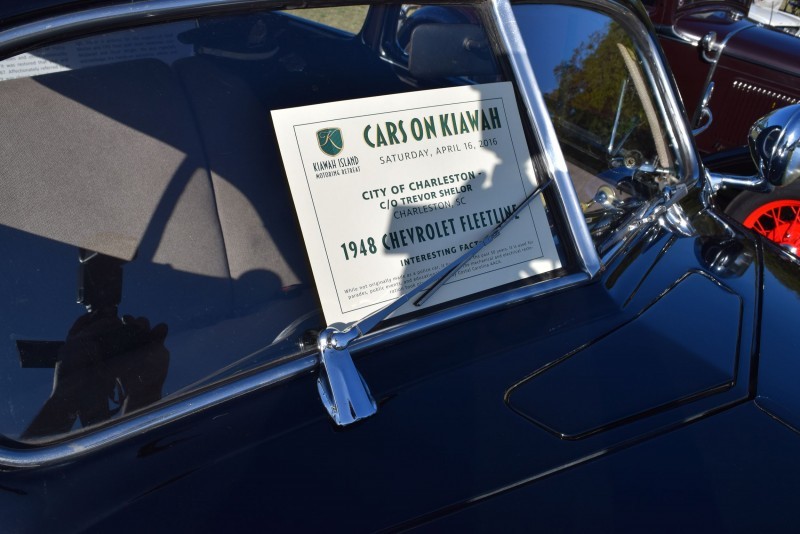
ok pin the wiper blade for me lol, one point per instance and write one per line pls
(342, 389)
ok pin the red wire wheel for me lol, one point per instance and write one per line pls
(779, 221)
(775, 216)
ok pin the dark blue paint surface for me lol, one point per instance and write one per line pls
(445, 447)
(733, 472)
(641, 367)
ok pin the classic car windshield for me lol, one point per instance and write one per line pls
(605, 111)
(151, 163)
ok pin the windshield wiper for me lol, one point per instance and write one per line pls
(341, 387)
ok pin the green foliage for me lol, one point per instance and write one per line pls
(585, 102)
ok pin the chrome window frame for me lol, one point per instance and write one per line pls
(43, 32)
(546, 136)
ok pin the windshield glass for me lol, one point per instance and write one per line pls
(606, 113)
(164, 168)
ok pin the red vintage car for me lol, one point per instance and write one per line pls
(731, 70)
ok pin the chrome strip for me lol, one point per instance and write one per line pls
(665, 93)
(746, 87)
(61, 452)
(546, 135)
(673, 118)
(15, 40)
(676, 122)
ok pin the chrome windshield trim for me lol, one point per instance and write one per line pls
(665, 93)
(136, 425)
(511, 37)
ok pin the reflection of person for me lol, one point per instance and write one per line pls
(105, 361)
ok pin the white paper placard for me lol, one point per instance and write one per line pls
(390, 189)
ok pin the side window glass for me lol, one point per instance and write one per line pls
(603, 108)
(144, 164)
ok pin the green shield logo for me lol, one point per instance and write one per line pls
(330, 141)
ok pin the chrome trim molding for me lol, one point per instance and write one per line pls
(665, 92)
(115, 433)
(546, 136)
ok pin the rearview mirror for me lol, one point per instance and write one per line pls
(449, 50)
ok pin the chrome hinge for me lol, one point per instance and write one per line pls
(673, 218)
(342, 389)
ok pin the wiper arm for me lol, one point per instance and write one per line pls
(342, 389)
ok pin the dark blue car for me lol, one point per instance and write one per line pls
(454, 267)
